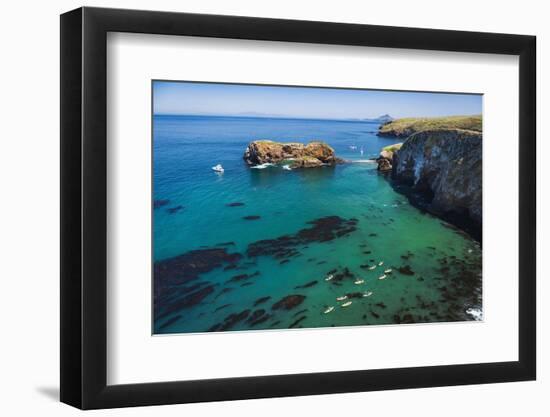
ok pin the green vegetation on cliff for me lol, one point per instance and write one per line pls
(392, 148)
(403, 128)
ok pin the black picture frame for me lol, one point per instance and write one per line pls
(84, 207)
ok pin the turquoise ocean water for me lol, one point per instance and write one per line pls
(441, 267)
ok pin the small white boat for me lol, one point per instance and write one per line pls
(382, 276)
(359, 281)
(329, 277)
(372, 267)
(342, 298)
(218, 168)
(361, 151)
(328, 310)
(287, 167)
(353, 147)
(346, 304)
(367, 294)
(388, 271)
(380, 263)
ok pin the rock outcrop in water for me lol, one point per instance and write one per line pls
(441, 170)
(296, 155)
(385, 159)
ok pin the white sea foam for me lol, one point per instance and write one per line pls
(262, 166)
(476, 313)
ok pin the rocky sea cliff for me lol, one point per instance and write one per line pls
(439, 169)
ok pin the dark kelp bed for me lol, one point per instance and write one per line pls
(179, 287)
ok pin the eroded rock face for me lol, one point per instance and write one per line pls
(385, 159)
(384, 164)
(445, 167)
(298, 155)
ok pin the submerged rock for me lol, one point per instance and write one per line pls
(297, 155)
(190, 265)
(354, 295)
(169, 322)
(298, 321)
(171, 273)
(230, 321)
(257, 317)
(407, 255)
(252, 217)
(224, 291)
(306, 285)
(340, 275)
(188, 301)
(261, 300)
(255, 314)
(239, 277)
(190, 288)
(405, 270)
(160, 203)
(300, 312)
(222, 307)
(289, 302)
(242, 277)
(405, 319)
(322, 230)
(174, 210)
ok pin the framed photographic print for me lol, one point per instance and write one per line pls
(258, 207)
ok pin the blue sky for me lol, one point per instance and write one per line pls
(303, 102)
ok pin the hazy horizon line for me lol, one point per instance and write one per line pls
(281, 116)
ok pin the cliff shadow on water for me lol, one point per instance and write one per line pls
(459, 220)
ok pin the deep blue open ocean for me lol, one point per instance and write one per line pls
(435, 258)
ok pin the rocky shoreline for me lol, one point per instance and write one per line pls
(440, 171)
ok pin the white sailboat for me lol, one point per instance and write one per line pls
(218, 168)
